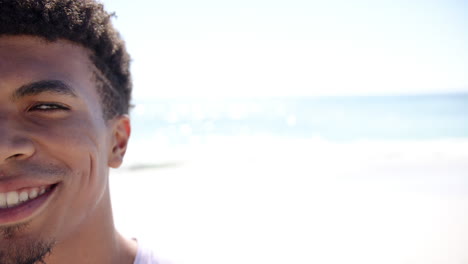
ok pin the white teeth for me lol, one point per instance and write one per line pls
(33, 193)
(23, 196)
(12, 199)
(3, 200)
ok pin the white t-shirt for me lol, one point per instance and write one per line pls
(146, 256)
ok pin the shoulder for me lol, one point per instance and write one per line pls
(146, 256)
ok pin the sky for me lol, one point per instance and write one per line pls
(294, 47)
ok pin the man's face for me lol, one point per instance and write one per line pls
(55, 146)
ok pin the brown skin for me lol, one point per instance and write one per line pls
(76, 141)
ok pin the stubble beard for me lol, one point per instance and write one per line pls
(14, 250)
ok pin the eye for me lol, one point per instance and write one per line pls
(48, 107)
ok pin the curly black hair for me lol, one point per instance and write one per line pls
(84, 22)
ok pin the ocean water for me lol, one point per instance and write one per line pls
(169, 128)
(339, 119)
(416, 117)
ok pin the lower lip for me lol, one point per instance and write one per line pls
(26, 210)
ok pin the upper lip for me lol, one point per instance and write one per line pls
(17, 176)
(14, 184)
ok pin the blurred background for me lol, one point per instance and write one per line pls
(296, 131)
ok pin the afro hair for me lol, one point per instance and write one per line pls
(84, 22)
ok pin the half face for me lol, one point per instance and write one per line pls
(55, 146)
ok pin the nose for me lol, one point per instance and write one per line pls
(14, 143)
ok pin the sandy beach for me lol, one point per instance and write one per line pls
(264, 201)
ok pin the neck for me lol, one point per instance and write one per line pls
(96, 241)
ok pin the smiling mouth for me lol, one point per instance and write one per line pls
(20, 197)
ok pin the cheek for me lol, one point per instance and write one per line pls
(79, 144)
(69, 138)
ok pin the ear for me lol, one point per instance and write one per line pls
(120, 133)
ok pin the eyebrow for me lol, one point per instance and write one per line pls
(44, 86)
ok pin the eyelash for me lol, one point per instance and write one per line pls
(49, 107)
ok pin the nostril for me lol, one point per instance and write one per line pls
(15, 148)
(15, 156)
